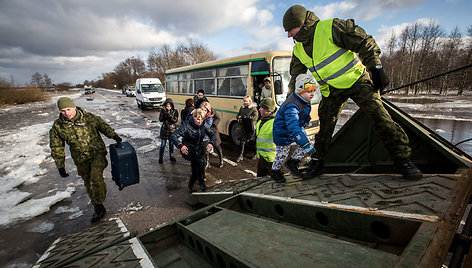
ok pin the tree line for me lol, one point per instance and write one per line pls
(422, 51)
(155, 65)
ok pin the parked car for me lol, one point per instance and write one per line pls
(131, 92)
(89, 90)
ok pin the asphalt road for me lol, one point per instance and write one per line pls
(158, 198)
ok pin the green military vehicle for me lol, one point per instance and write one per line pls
(360, 213)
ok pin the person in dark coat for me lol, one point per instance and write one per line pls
(187, 110)
(169, 117)
(247, 118)
(212, 120)
(189, 139)
(199, 96)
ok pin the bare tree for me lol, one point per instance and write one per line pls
(127, 71)
(185, 54)
(37, 80)
(47, 82)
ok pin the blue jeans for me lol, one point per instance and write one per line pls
(163, 146)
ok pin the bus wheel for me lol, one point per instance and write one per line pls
(235, 130)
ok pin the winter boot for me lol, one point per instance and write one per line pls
(277, 175)
(160, 160)
(241, 152)
(172, 158)
(191, 184)
(315, 168)
(201, 181)
(408, 169)
(99, 212)
(193, 178)
(292, 165)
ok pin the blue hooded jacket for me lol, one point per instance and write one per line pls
(289, 121)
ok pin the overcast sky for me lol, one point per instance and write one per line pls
(77, 40)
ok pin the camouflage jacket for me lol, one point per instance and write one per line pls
(82, 134)
(346, 34)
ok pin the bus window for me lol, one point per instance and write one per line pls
(238, 87)
(223, 86)
(208, 85)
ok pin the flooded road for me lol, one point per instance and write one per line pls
(160, 196)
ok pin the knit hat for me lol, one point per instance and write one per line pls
(294, 17)
(65, 102)
(304, 83)
(268, 104)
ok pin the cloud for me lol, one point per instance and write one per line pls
(385, 32)
(362, 10)
(58, 37)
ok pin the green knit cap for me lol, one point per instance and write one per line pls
(65, 102)
(294, 17)
(268, 104)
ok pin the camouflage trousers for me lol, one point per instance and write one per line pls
(362, 93)
(92, 174)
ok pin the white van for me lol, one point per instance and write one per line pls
(149, 93)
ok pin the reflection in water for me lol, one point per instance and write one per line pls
(449, 117)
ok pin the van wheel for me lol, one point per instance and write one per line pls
(234, 132)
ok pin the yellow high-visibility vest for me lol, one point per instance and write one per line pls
(264, 141)
(331, 65)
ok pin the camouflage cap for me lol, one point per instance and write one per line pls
(294, 17)
(268, 104)
(65, 102)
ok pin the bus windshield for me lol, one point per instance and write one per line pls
(281, 70)
(152, 88)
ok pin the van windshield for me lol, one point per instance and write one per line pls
(152, 88)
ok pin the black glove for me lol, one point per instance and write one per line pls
(62, 172)
(117, 139)
(379, 78)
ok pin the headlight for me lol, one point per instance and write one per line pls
(145, 99)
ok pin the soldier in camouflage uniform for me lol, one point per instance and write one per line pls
(81, 131)
(337, 52)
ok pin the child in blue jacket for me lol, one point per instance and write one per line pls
(292, 116)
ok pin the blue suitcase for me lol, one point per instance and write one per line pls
(124, 164)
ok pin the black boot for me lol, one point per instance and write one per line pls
(315, 168)
(277, 175)
(241, 151)
(408, 169)
(99, 212)
(172, 158)
(193, 178)
(292, 165)
(201, 181)
(191, 183)
(160, 160)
